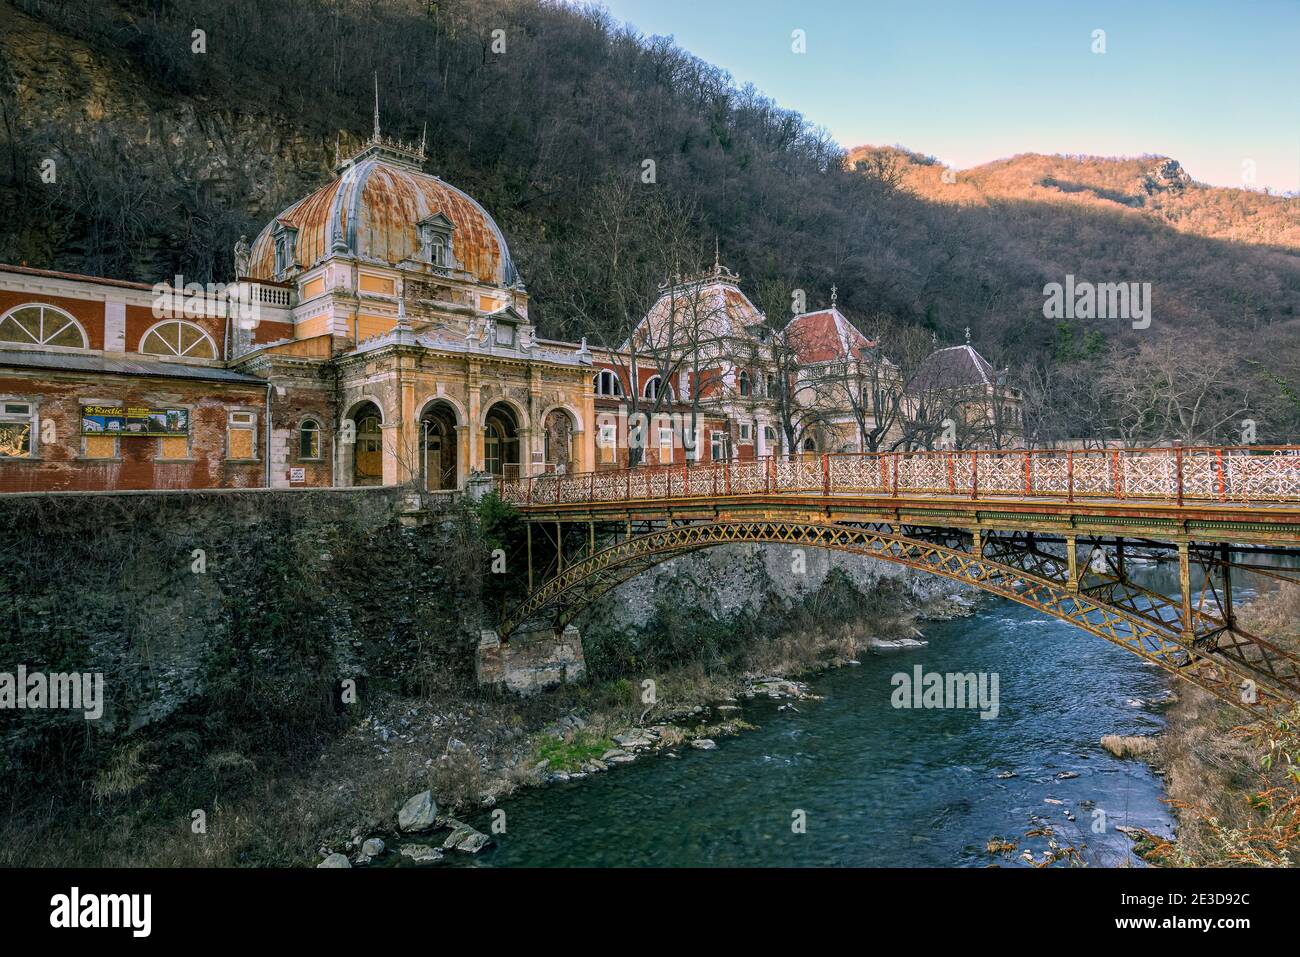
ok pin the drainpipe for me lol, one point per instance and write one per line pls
(268, 433)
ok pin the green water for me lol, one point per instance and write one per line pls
(880, 785)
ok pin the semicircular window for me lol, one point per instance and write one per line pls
(183, 340)
(40, 325)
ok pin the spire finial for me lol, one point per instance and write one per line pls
(834, 295)
(934, 338)
(424, 134)
(376, 104)
(968, 335)
(717, 261)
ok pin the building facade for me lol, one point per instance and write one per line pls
(377, 332)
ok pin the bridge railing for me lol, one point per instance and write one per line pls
(1242, 475)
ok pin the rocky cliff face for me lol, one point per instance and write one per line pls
(128, 156)
(722, 598)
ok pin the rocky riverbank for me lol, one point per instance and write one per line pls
(1231, 781)
(489, 751)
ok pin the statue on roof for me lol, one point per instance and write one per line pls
(243, 257)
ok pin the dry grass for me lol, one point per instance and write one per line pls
(1235, 786)
(1130, 746)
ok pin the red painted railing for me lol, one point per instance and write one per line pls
(1240, 475)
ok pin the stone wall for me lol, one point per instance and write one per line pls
(261, 603)
(531, 661)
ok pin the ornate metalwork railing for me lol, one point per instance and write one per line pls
(1239, 475)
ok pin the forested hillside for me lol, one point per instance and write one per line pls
(166, 155)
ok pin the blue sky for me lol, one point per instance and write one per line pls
(1213, 85)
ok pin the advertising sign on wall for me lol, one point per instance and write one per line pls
(133, 420)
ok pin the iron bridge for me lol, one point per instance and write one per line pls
(1057, 530)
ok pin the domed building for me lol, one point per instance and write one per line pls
(388, 299)
(377, 333)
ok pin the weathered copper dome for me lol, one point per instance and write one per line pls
(373, 210)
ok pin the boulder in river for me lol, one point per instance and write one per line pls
(335, 860)
(705, 744)
(372, 847)
(422, 853)
(465, 838)
(894, 644)
(633, 739)
(418, 813)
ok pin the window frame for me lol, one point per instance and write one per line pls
(616, 386)
(44, 346)
(657, 381)
(232, 426)
(284, 241)
(32, 420)
(177, 357)
(315, 427)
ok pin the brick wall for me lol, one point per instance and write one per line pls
(136, 462)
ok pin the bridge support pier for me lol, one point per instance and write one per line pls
(1185, 592)
(532, 661)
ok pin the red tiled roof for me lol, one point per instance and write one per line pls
(824, 336)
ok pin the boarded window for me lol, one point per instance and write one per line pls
(242, 435)
(101, 446)
(174, 447)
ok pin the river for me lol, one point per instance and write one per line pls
(880, 785)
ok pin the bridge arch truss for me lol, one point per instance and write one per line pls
(1192, 635)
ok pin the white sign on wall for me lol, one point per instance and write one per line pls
(297, 475)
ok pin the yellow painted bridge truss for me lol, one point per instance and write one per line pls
(1192, 635)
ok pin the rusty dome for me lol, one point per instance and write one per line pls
(374, 207)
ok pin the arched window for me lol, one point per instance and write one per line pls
(175, 337)
(39, 325)
(607, 383)
(309, 439)
(743, 384)
(652, 387)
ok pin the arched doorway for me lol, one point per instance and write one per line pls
(557, 441)
(368, 447)
(438, 446)
(501, 442)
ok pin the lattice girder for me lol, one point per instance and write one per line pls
(1009, 568)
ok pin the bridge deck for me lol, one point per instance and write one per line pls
(1206, 494)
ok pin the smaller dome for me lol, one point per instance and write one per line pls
(375, 206)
